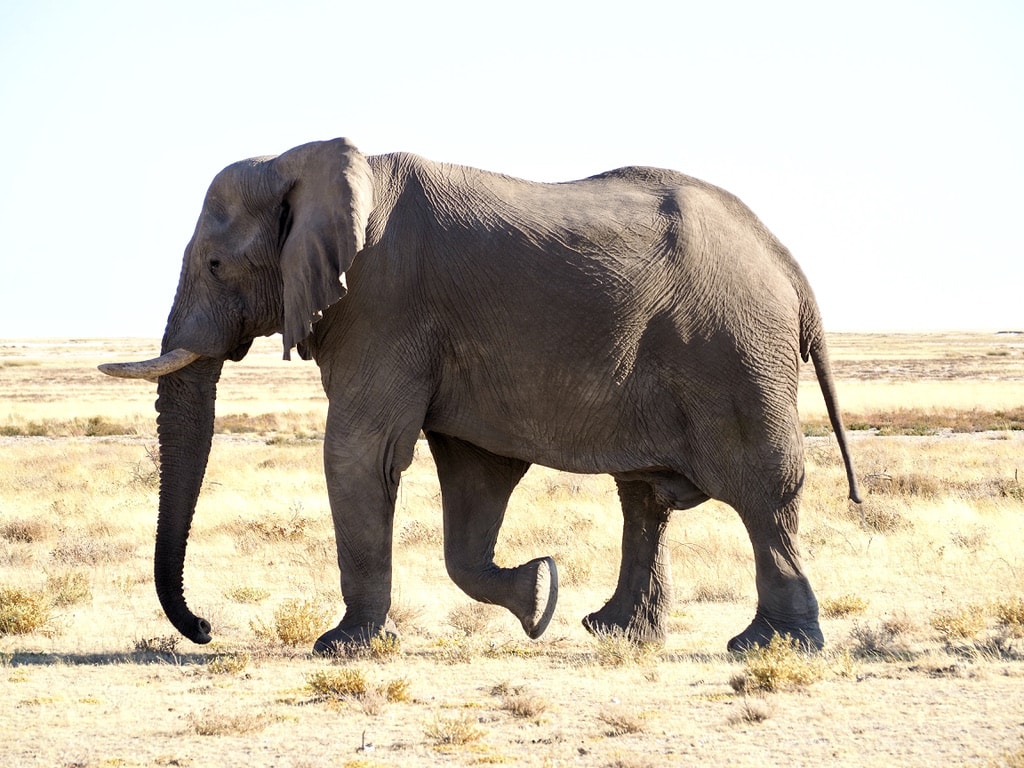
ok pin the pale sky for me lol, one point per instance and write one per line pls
(881, 141)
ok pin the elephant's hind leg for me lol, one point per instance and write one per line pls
(786, 604)
(639, 607)
(475, 488)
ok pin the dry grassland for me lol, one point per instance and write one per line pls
(922, 589)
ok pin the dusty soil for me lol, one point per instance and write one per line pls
(90, 695)
(72, 710)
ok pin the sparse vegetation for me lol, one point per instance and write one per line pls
(163, 645)
(296, 622)
(883, 641)
(845, 605)
(780, 665)
(338, 683)
(919, 589)
(471, 618)
(1010, 614)
(523, 704)
(615, 649)
(753, 710)
(351, 684)
(247, 595)
(26, 530)
(213, 722)
(457, 730)
(68, 588)
(229, 663)
(23, 611)
(621, 720)
(963, 623)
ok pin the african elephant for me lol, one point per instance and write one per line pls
(639, 323)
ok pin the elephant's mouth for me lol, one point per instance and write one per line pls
(240, 351)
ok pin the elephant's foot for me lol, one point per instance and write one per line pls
(641, 627)
(806, 632)
(535, 593)
(338, 641)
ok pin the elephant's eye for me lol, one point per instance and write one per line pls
(214, 265)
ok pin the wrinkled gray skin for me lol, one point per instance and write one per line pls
(639, 323)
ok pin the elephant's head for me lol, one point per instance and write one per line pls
(269, 253)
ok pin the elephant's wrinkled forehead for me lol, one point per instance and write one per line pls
(242, 185)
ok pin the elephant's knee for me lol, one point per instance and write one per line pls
(463, 572)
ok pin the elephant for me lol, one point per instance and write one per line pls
(639, 323)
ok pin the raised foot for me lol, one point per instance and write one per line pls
(540, 582)
(340, 640)
(807, 633)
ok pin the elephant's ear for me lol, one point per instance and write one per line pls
(329, 198)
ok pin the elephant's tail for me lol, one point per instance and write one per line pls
(813, 345)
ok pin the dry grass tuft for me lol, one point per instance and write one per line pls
(453, 731)
(24, 611)
(458, 650)
(963, 623)
(350, 684)
(26, 530)
(881, 515)
(405, 615)
(616, 649)
(84, 550)
(272, 528)
(68, 588)
(164, 645)
(213, 722)
(525, 705)
(622, 720)
(753, 710)
(397, 690)
(417, 533)
(296, 622)
(1010, 615)
(716, 592)
(229, 663)
(780, 665)
(337, 683)
(840, 607)
(884, 641)
(471, 618)
(247, 595)
(385, 646)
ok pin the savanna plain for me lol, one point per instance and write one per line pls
(921, 588)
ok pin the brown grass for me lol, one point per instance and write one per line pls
(920, 589)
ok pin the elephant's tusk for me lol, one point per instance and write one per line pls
(151, 369)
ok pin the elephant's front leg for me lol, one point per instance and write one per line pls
(475, 488)
(639, 607)
(362, 483)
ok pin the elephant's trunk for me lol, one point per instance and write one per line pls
(185, 404)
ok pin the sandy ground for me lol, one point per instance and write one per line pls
(98, 711)
(83, 698)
